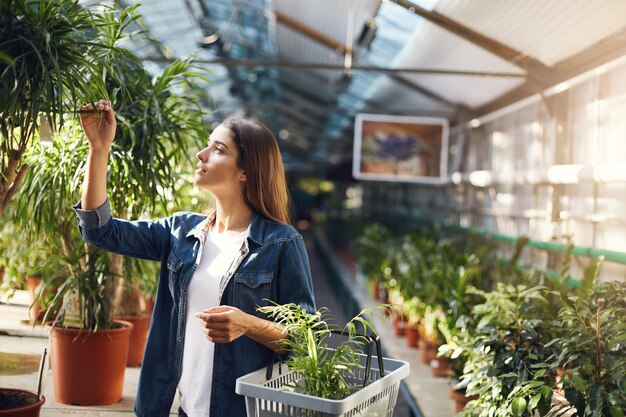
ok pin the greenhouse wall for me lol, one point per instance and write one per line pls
(551, 166)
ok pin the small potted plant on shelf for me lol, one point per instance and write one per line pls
(371, 254)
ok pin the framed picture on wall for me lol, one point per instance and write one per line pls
(400, 148)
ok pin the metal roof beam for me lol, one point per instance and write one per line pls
(536, 71)
(229, 62)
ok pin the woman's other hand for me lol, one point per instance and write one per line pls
(98, 124)
(224, 324)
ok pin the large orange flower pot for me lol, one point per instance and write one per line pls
(138, 338)
(22, 403)
(88, 367)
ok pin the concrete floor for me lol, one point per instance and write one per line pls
(16, 336)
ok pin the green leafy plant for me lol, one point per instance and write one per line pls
(507, 366)
(371, 251)
(52, 54)
(323, 371)
(592, 352)
(158, 119)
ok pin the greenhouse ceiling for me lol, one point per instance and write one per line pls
(307, 67)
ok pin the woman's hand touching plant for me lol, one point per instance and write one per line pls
(99, 124)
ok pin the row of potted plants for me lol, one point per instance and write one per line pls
(517, 341)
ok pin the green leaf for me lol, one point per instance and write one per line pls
(546, 391)
(518, 406)
(532, 404)
(616, 411)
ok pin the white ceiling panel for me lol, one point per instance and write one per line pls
(295, 46)
(434, 47)
(470, 91)
(549, 30)
(397, 98)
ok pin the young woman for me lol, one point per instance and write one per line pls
(215, 269)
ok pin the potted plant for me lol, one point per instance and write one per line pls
(371, 254)
(506, 366)
(592, 352)
(23, 403)
(51, 187)
(26, 262)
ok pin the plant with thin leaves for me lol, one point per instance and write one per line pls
(52, 56)
(50, 188)
(324, 372)
(159, 120)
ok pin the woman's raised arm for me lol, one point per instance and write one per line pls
(99, 126)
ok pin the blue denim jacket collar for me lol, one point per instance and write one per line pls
(200, 230)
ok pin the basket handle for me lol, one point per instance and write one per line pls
(373, 341)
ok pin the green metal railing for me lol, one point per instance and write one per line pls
(611, 256)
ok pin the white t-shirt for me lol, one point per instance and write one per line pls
(196, 380)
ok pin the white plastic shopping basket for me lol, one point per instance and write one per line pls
(270, 397)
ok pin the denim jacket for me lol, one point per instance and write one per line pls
(272, 265)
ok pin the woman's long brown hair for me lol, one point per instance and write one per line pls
(259, 157)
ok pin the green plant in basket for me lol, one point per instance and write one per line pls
(324, 372)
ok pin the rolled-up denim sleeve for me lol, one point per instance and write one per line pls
(145, 239)
(92, 219)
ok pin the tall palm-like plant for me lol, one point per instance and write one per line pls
(51, 55)
(158, 118)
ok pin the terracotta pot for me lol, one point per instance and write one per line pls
(31, 410)
(150, 305)
(460, 399)
(412, 336)
(427, 351)
(88, 367)
(399, 324)
(138, 338)
(441, 366)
